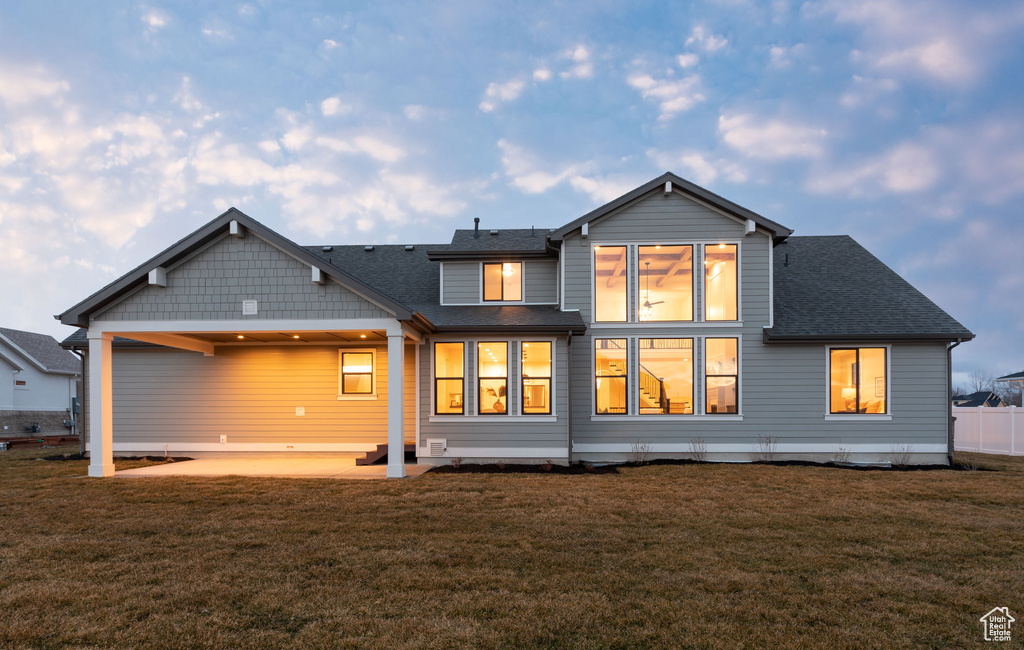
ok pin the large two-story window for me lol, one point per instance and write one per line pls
(611, 284)
(857, 380)
(720, 282)
(503, 282)
(665, 380)
(536, 369)
(721, 375)
(665, 283)
(492, 378)
(611, 376)
(449, 378)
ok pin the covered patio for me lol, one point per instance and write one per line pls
(273, 466)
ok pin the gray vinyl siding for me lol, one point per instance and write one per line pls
(541, 281)
(782, 387)
(250, 395)
(465, 432)
(212, 284)
(461, 282)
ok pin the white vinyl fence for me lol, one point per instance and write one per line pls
(989, 430)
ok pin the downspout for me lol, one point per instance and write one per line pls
(568, 398)
(950, 422)
(85, 391)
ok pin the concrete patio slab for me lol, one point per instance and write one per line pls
(306, 467)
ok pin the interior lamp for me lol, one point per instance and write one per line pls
(506, 269)
(849, 393)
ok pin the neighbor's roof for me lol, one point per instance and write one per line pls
(980, 398)
(1017, 376)
(686, 187)
(42, 351)
(496, 242)
(831, 288)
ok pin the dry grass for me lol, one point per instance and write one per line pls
(655, 556)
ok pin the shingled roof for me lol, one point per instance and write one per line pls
(42, 351)
(499, 243)
(831, 288)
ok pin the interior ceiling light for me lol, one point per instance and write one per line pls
(647, 309)
(506, 269)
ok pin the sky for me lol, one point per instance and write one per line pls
(124, 127)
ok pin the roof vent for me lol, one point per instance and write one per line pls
(533, 231)
(494, 232)
(409, 248)
(327, 249)
(368, 249)
(476, 227)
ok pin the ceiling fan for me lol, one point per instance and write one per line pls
(647, 308)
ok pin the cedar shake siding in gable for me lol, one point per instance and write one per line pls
(212, 284)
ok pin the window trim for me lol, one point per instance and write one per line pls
(502, 300)
(594, 376)
(435, 378)
(550, 377)
(638, 292)
(20, 384)
(703, 282)
(693, 365)
(342, 395)
(593, 286)
(480, 378)
(705, 375)
(861, 417)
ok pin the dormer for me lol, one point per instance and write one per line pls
(499, 266)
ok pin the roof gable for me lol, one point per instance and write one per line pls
(40, 350)
(778, 231)
(131, 282)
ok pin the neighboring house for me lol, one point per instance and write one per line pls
(1015, 378)
(38, 380)
(669, 320)
(980, 398)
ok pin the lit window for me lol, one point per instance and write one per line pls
(611, 376)
(857, 380)
(492, 376)
(666, 376)
(503, 282)
(721, 375)
(536, 395)
(610, 284)
(449, 371)
(720, 286)
(665, 283)
(356, 373)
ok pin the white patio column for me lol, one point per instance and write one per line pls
(101, 405)
(396, 403)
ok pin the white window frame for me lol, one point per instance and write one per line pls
(699, 289)
(372, 395)
(470, 371)
(522, 284)
(858, 417)
(704, 376)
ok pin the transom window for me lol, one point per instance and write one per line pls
(665, 279)
(857, 380)
(449, 378)
(536, 392)
(721, 375)
(666, 376)
(611, 376)
(357, 373)
(503, 281)
(492, 378)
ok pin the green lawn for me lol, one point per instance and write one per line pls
(657, 556)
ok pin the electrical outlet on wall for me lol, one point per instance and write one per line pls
(223, 439)
(300, 411)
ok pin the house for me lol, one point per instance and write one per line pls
(669, 318)
(1013, 378)
(980, 398)
(38, 380)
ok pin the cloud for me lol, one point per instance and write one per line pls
(185, 98)
(907, 167)
(770, 139)
(499, 93)
(782, 57)
(333, 106)
(867, 91)
(154, 19)
(672, 96)
(701, 38)
(603, 189)
(687, 60)
(541, 74)
(698, 166)
(583, 67)
(330, 44)
(20, 85)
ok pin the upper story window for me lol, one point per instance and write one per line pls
(720, 282)
(449, 378)
(503, 282)
(665, 280)
(492, 377)
(611, 284)
(536, 362)
(857, 380)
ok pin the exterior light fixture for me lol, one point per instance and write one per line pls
(362, 336)
(240, 336)
(295, 336)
